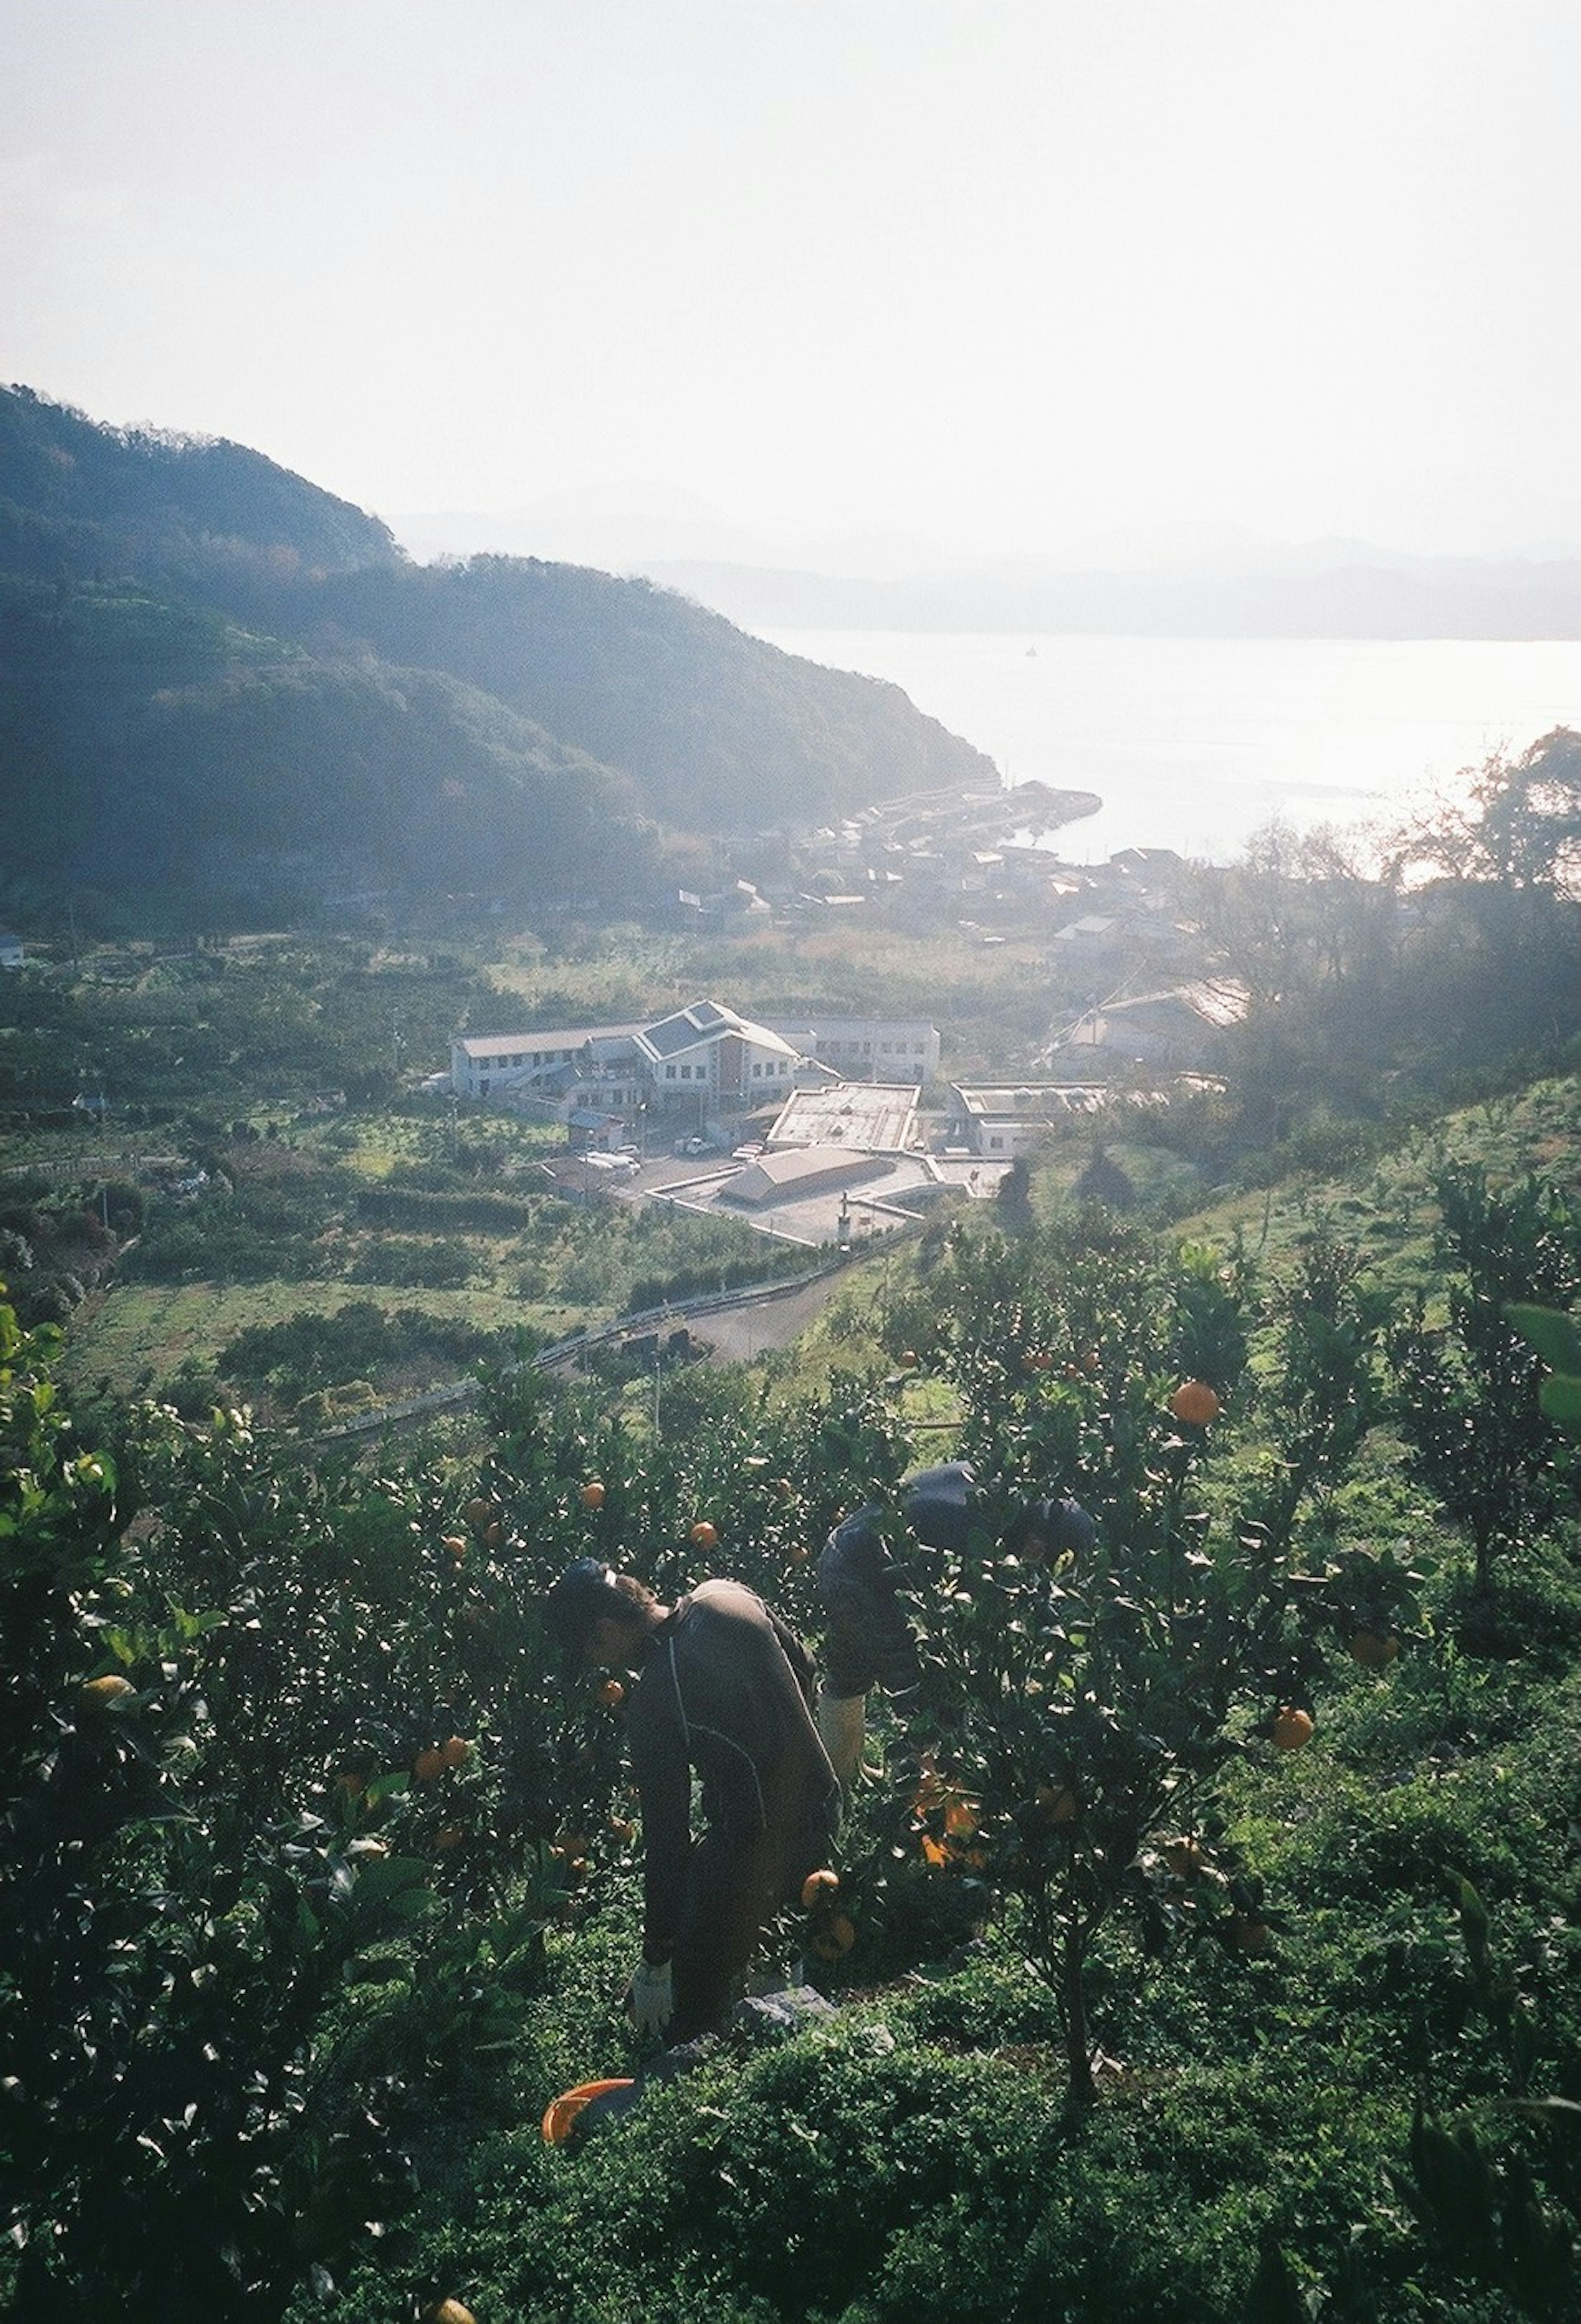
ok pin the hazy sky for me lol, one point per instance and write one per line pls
(1002, 274)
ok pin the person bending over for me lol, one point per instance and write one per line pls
(868, 1639)
(722, 1690)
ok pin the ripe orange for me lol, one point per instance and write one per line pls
(455, 1751)
(835, 1939)
(1374, 1649)
(797, 1554)
(1185, 1858)
(960, 1818)
(612, 1695)
(704, 1535)
(1195, 1402)
(449, 2311)
(493, 1533)
(593, 1494)
(99, 1693)
(455, 1545)
(819, 1889)
(908, 1359)
(1292, 1728)
(428, 1765)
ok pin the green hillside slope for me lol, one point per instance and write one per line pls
(721, 731)
(160, 753)
(225, 692)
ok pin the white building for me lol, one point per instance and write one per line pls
(703, 1061)
(866, 1049)
(1000, 1122)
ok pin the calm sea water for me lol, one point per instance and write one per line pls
(1196, 744)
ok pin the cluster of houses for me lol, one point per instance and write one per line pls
(916, 863)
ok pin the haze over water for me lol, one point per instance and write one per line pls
(1195, 743)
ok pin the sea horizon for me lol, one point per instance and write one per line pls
(1198, 743)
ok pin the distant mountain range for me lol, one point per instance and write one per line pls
(1328, 588)
(227, 696)
(1358, 594)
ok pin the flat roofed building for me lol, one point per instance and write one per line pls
(866, 1117)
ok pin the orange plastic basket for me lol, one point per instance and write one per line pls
(561, 2115)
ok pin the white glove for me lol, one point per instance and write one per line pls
(842, 1728)
(650, 1997)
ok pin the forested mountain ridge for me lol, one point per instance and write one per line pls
(227, 696)
(80, 500)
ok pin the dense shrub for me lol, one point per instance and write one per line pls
(310, 1351)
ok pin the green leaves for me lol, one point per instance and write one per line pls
(1557, 1340)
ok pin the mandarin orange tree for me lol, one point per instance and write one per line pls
(1468, 1383)
(235, 1942)
(1070, 1713)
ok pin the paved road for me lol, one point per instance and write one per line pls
(734, 1335)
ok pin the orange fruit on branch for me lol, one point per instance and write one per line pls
(593, 1494)
(99, 1693)
(819, 1889)
(1292, 1728)
(705, 1536)
(1195, 1402)
(1374, 1649)
(612, 1695)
